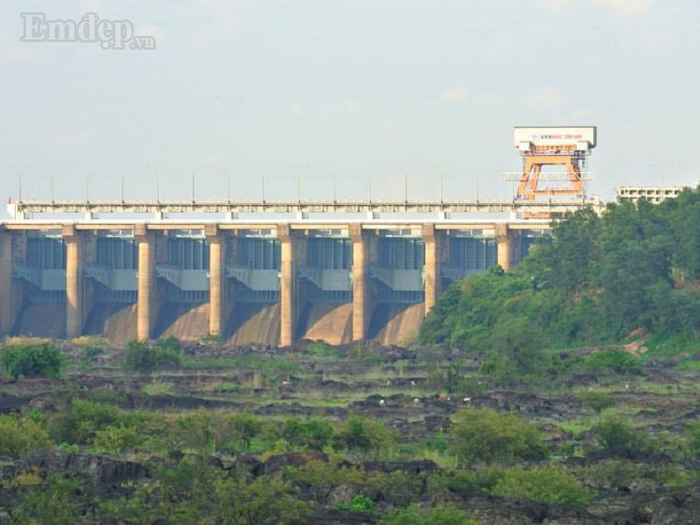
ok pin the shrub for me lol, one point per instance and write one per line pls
(158, 388)
(39, 360)
(118, 439)
(57, 501)
(194, 492)
(322, 349)
(317, 478)
(80, 424)
(141, 356)
(617, 437)
(615, 360)
(207, 430)
(359, 433)
(440, 515)
(612, 474)
(358, 503)
(401, 488)
(597, 401)
(694, 438)
(19, 437)
(547, 485)
(467, 483)
(483, 435)
(313, 434)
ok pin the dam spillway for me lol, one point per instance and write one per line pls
(268, 282)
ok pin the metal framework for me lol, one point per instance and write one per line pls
(545, 147)
(535, 160)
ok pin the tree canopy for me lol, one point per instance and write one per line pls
(597, 279)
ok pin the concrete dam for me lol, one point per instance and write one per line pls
(270, 282)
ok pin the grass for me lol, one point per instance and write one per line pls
(158, 388)
(689, 364)
(576, 429)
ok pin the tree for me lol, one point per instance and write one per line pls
(550, 485)
(144, 357)
(57, 501)
(359, 433)
(80, 424)
(195, 493)
(483, 435)
(43, 360)
(617, 437)
(21, 436)
(516, 352)
(598, 401)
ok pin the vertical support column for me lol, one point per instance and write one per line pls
(504, 247)
(8, 299)
(360, 282)
(217, 283)
(145, 304)
(287, 313)
(74, 284)
(432, 266)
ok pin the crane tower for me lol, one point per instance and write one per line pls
(540, 147)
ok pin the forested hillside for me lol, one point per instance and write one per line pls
(633, 270)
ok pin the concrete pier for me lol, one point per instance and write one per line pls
(504, 241)
(287, 286)
(217, 292)
(360, 282)
(146, 284)
(8, 296)
(74, 283)
(432, 266)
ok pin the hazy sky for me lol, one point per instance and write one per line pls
(345, 90)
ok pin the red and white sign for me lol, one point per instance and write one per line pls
(555, 136)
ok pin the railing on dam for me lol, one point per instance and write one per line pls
(23, 208)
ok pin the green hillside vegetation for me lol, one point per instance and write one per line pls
(599, 279)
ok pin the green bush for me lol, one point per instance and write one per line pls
(57, 501)
(41, 360)
(21, 436)
(317, 477)
(612, 361)
(612, 474)
(80, 424)
(118, 439)
(358, 503)
(483, 435)
(142, 356)
(440, 515)
(466, 483)
(194, 492)
(597, 401)
(617, 437)
(548, 485)
(694, 438)
(212, 430)
(311, 434)
(363, 434)
(401, 488)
